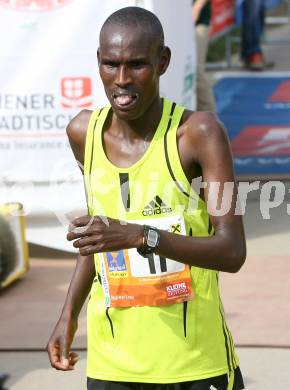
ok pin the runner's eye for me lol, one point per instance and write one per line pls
(137, 64)
(110, 64)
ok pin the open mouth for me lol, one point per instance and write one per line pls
(124, 100)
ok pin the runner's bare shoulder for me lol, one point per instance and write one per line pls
(77, 127)
(76, 132)
(207, 144)
(202, 123)
(204, 128)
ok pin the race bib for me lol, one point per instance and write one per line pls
(128, 279)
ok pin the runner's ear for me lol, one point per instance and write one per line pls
(98, 56)
(164, 59)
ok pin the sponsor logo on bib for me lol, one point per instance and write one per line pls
(117, 264)
(176, 289)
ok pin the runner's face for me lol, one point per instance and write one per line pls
(130, 64)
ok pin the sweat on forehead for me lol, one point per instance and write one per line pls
(133, 18)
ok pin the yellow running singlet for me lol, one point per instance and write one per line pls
(152, 320)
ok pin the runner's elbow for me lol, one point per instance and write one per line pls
(237, 258)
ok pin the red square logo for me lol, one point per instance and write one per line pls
(262, 141)
(76, 92)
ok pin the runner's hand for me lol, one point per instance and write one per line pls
(58, 346)
(101, 234)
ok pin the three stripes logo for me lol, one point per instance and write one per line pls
(155, 207)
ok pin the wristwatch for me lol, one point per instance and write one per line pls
(151, 238)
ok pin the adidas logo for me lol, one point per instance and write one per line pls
(155, 207)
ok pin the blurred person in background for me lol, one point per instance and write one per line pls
(201, 14)
(253, 22)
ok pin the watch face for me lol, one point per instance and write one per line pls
(152, 238)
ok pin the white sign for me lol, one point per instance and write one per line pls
(48, 73)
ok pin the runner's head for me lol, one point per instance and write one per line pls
(132, 57)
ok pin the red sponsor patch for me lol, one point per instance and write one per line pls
(34, 5)
(282, 93)
(76, 92)
(176, 289)
(262, 141)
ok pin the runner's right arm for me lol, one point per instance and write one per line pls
(59, 344)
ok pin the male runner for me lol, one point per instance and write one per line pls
(155, 318)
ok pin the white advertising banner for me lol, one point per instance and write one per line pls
(48, 73)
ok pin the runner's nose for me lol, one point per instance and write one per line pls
(123, 77)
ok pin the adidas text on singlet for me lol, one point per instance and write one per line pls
(151, 319)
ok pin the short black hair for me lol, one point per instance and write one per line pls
(136, 17)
